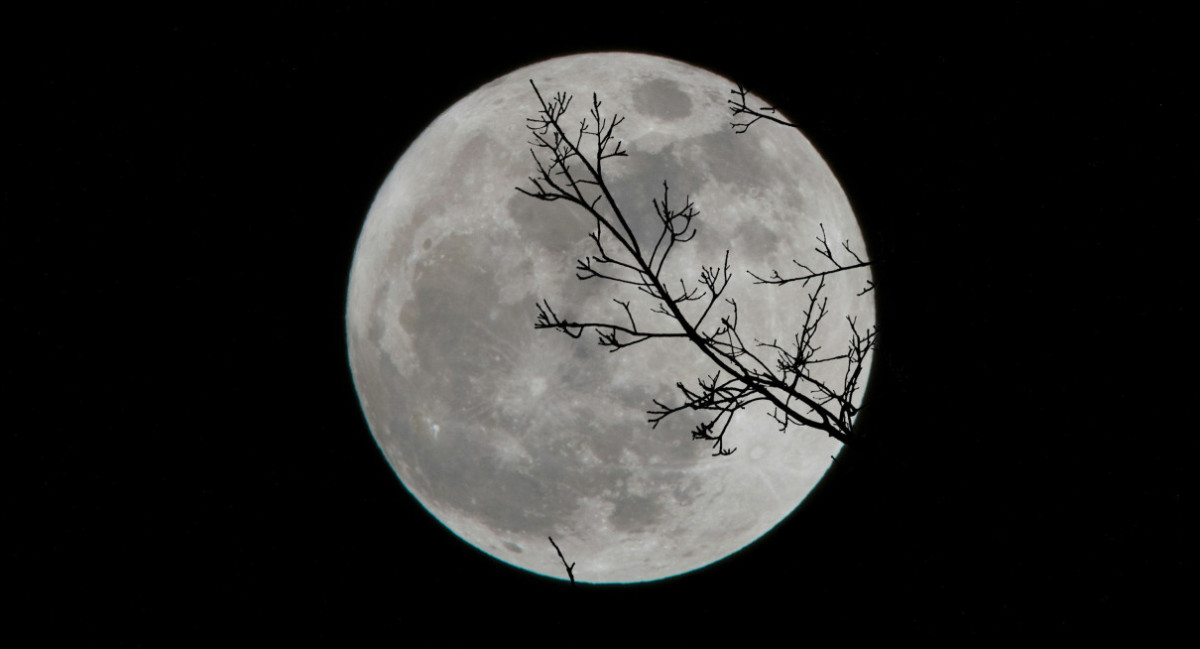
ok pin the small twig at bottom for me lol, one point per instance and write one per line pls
(570, 568)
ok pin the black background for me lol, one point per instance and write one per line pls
(182, 197)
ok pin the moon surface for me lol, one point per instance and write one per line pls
(507, 434)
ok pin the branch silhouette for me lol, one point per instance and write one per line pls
(569, 165)
(810, 274)
(570, 567)
(739, 107)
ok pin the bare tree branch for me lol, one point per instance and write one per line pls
(744, 373)
(748, 115)
(810, 274)
(570, 567)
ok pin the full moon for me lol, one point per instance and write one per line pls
(508, 434)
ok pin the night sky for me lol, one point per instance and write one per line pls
(182, 198)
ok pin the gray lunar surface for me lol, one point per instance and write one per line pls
(507, 434)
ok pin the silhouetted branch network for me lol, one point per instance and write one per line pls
(569, 165)
(744, 111)
(810, 274)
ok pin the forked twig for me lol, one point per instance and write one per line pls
(570, 567)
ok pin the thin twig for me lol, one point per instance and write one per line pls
(571, 567)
